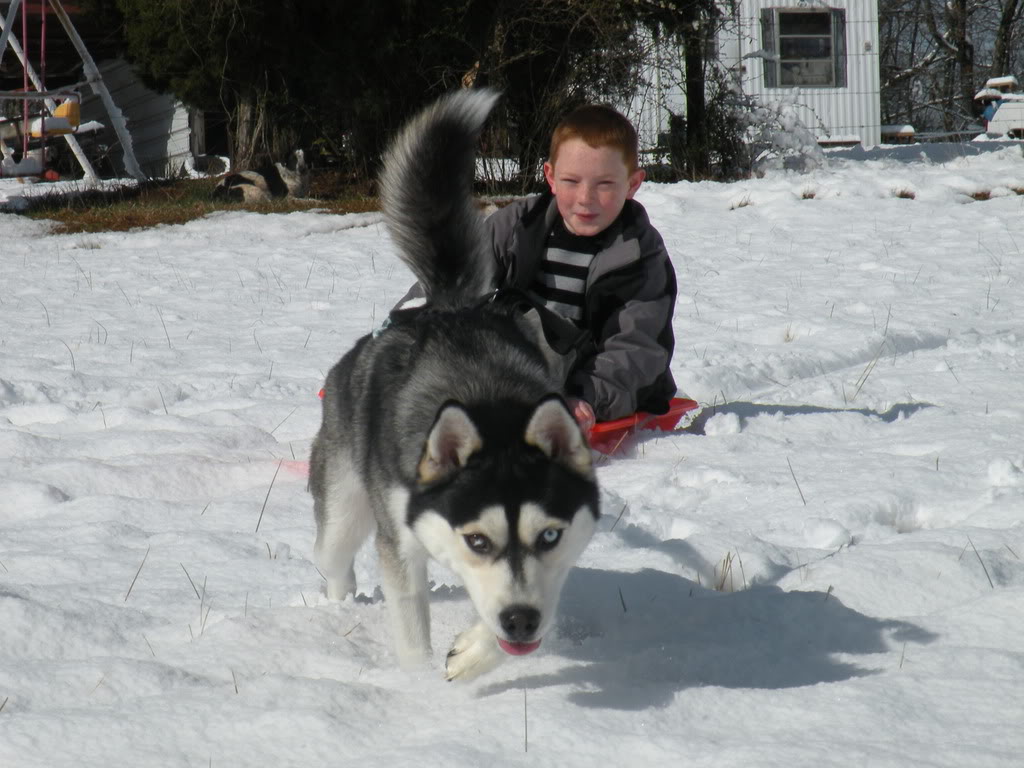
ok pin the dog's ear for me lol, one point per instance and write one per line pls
(452, 440)
(553, 429)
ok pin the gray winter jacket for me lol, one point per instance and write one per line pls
(630, 298)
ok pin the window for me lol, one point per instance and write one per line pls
(808, 48)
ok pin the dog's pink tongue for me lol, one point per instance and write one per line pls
(518, 649)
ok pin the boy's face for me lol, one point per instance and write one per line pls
(590, 185)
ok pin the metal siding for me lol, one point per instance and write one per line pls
(158, 124)
(853, 111)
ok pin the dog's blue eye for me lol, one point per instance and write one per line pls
(478, 543)
(549, 538)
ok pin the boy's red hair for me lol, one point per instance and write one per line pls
(598, 125)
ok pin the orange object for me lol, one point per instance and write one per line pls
(608, 436)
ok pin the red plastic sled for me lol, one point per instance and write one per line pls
(608, 436)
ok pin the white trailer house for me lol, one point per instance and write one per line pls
(821, 58)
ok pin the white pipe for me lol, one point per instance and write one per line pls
(7, 27)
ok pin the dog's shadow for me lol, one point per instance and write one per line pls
(747, 411)
(633, 640)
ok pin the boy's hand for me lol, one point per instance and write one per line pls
(583, 413)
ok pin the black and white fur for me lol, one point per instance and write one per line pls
(270, 182)
(445, 432)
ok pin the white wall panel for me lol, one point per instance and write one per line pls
(833, 113)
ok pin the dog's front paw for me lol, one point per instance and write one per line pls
(473, 653)
(341, 586)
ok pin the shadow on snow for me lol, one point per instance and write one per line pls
(636, 639)
(747, 411)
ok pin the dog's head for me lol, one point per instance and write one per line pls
(507, 499)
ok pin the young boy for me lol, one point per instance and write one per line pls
(587, 252)
(586, 257)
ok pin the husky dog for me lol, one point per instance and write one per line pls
(271, 181)
(445, 431)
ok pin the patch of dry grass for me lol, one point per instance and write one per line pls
(726, 577)
(180, 201)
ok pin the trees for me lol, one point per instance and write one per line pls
(935, 55)
(692, 27)
(240, 57)
(548, 56)
(346, 73)
(551, 55)
(1006, 48)
(288, 72)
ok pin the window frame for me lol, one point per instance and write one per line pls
(772, 38)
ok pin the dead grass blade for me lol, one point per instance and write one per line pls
(190, 581)
(796, 481)
(867, 372)
(982, 562)
(132, 585)
(264, 508)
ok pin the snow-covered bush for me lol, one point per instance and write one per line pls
(777, 136)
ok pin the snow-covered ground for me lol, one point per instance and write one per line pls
(824, 570)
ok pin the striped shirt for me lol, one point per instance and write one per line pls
(561, 279)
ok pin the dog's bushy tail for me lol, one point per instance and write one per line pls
(427, 197)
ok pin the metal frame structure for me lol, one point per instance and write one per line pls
(93, 79)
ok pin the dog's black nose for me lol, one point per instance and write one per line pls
(520, 622)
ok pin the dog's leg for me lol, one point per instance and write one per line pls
(403, 567)
(473, 653)
(343, 521)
